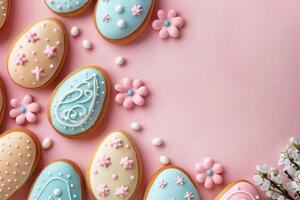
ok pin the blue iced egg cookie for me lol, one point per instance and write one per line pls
(121, 21)
(68, 7)
(59, 180)
(171, 182)
(79, 102)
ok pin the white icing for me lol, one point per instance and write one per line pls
(119, 8)
(56, 190)
(241, 192)
(121, 23)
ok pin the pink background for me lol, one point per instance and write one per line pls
(229, 88)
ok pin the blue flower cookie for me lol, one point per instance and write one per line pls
(79, 102)
(59, 180)
(121, 21)
(68, 7)
(171, 183)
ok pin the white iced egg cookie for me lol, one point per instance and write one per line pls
(122, 21)
(61, 180)
(68, 7)
(38, 54)
(171, 182)
(2, 101)
(4, 6)
(79, 103)
(115, 172)
(19, 156)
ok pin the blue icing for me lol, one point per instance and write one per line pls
(171, 190)
(120, 12)
(58, 181)
(66, 6)
(77, 103)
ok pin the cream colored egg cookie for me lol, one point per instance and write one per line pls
(2, 101)
(4, 9)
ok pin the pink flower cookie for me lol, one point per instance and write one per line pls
(131, 93)
(209, 173)
(168, 24)
(24, 110)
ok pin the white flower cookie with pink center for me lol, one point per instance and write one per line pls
(239, 190)
(4, 8)
(115, 171)
(38, 54)
(20, 154)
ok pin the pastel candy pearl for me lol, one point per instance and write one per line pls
(157, 142)
(47, 143)
(164, 160)
(119, 8)
(121, 23)
(87, 44)
(75, 31)
(120, 60)
(135, 126)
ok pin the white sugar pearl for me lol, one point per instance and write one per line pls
(120, 60)
(119, 8)
(47, 143)
(121, 23)
(135, 126)
(75, 31)
(57, 192)
(86, 44)
(157, 142)
(164, 160)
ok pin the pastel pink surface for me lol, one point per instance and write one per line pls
(241, 190)
(228, 88)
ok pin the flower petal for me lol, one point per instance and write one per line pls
(157, 24)
(138, 100)
(20, 119)
(27, 100)
(163, 33)
(120, 98)
(142, 91)
(127, 83)
(30, 117)
(33, 107)
(161, 15)
(200, 178)
(208, 163)
(178, 22)
(200, 168)
(14, 103)
(13, 113)
(217, 168)
(208, 184)
(217, 179)
(128, 103)
(120, 88)
(173, 32)
(137, 83)
(171, 14)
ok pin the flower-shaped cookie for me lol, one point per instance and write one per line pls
(24, 110)
(209, 173)
(131, 93)
(168, 24)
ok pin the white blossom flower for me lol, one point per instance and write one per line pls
(266, 185)
(281, 197)
(262, 168)
(258, 179)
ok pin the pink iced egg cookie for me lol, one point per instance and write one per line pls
(239, 190)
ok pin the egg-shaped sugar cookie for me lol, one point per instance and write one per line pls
(171, 182)
(69, 7)
(2, 101)
(79, 103)
(38, 54)
(122, 21)
(4, 9)
(115, 171)
(19, 156)
(61, 179)
(237, 190)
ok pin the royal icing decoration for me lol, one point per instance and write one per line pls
(38, 54)
(68, 7)
(117, 20)
(131, 93)
(168, 24)
(3, 12)
(59, 180)
(79, 101)
(24, 110)
(209, 173)
(19, 155)
(239, 190)
(171, 183)
(115, 170)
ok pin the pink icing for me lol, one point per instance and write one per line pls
(179, 180)
(38, 72)
(105, 161)
(136, 10)
(114, 176)
(105, 18)
(126, 163)
(116, 143)
(103, 190)
(241, 190)
(122, 191)
(20, 59)
(189, 196)
(162, 184)
(32, 37)
(50, 51)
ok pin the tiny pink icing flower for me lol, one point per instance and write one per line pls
(168, 24)
(189, 196)
(208, 173)
(20, 59)
(116, 143)
(179, 180)
(131, 93)
(50, 51)
(24, 110)
(162, 184)
(105, 161)
(136, 10)
(106, 18)
(103, 190)
(126, 163)
(122, 191)
(32, 37)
